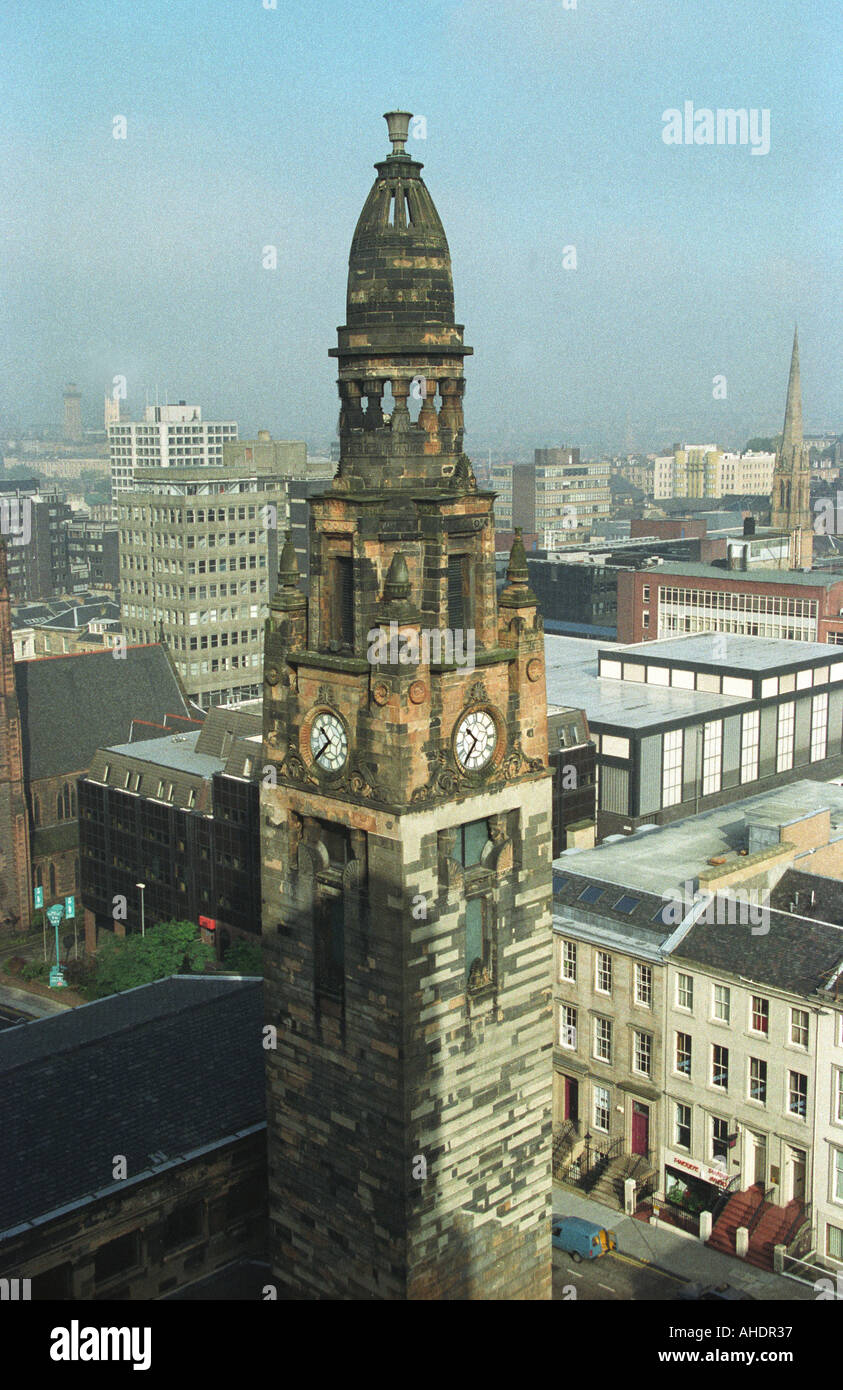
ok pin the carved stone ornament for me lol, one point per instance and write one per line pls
(270, 675)
(534, 669)
(380, 693)
(418, 692)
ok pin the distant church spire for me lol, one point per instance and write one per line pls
(791, 500)
(792, 432)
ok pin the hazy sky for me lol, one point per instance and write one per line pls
(250, 126)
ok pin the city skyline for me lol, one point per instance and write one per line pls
(697, 260)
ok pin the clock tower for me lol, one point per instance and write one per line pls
(406, 828)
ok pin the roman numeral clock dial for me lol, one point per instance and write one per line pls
(475, 740)
(328, 741)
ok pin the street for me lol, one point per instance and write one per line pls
(9, 1017)
(613, 1276)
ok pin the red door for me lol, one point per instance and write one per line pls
(640, 1128)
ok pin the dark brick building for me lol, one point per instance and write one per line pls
(573, 760)
(170, 1079)
(687, 597)
(406, 844)
(178, 813)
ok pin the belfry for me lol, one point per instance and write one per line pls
(406, 828)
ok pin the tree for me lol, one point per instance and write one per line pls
(244, 958)
(170, 948)
(762, 444)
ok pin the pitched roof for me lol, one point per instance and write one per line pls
(153, 1073)
(784, 951)
(72, 705)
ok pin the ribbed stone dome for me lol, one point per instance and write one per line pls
(399, 267)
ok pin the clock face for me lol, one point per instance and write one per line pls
(475, 740)
(328, 741)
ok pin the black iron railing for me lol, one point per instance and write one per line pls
(672, 1213)
(723, 1200)
(797, 1237)
(766, 1194)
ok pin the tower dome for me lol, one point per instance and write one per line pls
(400, 330)
(400, 265)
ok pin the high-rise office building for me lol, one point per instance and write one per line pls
(198, 548)
(169, 436)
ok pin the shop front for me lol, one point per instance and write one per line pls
(691, 1186)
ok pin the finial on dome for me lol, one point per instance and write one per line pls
(398, 124)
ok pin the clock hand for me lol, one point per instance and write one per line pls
(325, 745)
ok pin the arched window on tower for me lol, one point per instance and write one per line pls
(52, 880)
(36, 810)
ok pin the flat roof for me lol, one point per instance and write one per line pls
(174, 750)
(572, 681)
(663, 858)
(727, 650)
(698, 570)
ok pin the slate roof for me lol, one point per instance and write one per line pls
(72, 705)
(795, 954)
(795, 888)
(73, 619)
(153, 1073)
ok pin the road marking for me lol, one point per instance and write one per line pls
(607, 1287)
(646, 1264)
(576, 1272)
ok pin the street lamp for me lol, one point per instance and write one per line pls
(141, 886)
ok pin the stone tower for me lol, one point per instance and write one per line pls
(791, 502)
(406, 828)
(15, 886)
(72, 428)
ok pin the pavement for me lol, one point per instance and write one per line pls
(20, 1001)
(680, 1255)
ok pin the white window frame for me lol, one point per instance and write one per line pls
(603, 1038)
(642, 1050)
(794, 1041)
(602, 1107)
(568, 961)
(602, 970)
(727, 1001)
(684, 1108)
(750, 735)
(680, 988)
(760, 999)
(720, 1086)
(644, 984)
(819, 726)
(785, 733)
(568, 1027)
(672, 754)
(712, 768)
(680, 1070)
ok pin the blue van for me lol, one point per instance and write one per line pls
(582, 1240)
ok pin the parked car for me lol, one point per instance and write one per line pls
(714, 1293)
(582, 1240)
